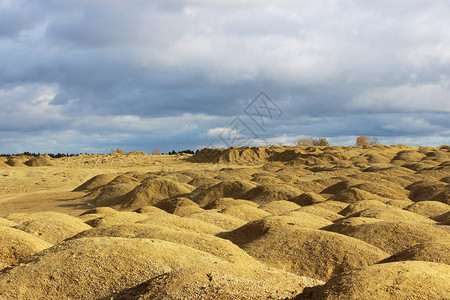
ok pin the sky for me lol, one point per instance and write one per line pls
(88, 76)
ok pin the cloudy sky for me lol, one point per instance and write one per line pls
(87, 76)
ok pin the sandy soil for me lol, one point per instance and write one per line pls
(238, 223)
(26, 189)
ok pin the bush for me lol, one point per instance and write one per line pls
(320, 142)
(156, 151)
(304, 142)
(313, 142)
(363, 141)
(373, 141)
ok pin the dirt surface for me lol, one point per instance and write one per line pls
(238, 223)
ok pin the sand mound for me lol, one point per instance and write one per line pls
(432, 251)
(221, 248)
(308, 185)
(39, 161)
(428, 208)
(16, 161)
(425, 189)
(303, 219)
(376, 158)
(91, 268)
(446, 179)
(266, 180)
(112, 193)
(203, 181)
(409, 156)
(96, 181)
(362, 205)
(96, 213)
(314, 253)
(176, 222)
(343, 226)
(383, 189)
(279, 207)
(392, 237)
(218, 283)
(222, 203)
(225, 221)
(117, 218)
(287, 177)
(148, 209)
(268, 193)
(399, 203)
(245, 212)
(152, 190)
(308, 198)
(2, 161)
(124, 178)
(185, 211)
(6, 222)
(353, 195)
(16, 245)
(171, 205)
(17, 217)
(390, 213)
(403, 182)
(224, 189)
(233, 155)
(52, 227)
(178, 177)
(334, 206)
(53, 230)
(100, 211)
(418, 166)
(398, 280)
(321, 212)
(443, 219)
(137, 153)
(443, 196)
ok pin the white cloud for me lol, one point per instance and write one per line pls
(135, 124)
(410, 124)
(224, 132)
(28, 106)
(404, 98)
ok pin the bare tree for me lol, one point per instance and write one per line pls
(156, 151)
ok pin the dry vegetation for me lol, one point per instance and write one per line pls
(305, 222)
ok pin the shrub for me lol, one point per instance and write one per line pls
(117, 150)
(313, 142)
(320, 142)
(156, 151)
(304, 142)
(361, 141)
(373, 141)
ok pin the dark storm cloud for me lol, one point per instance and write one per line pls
(172, 71)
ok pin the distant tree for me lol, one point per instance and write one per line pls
(313, 142)
(156, 151)
(361, 141)
(304, 142)
(320, 142)
(373, 141)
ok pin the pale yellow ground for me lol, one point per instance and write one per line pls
(26, 189)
